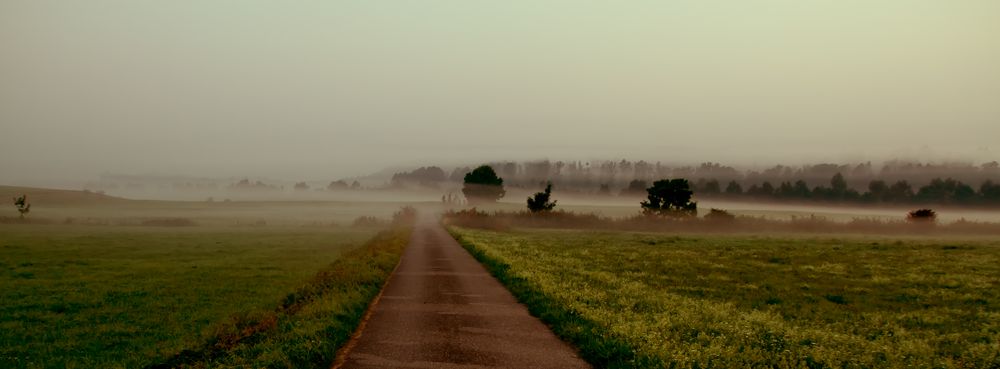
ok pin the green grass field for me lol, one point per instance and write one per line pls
(712, 301)
(105, 296)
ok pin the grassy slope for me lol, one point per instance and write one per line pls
(647, 300)
(74, 296)
(61, 197)
(49, 206)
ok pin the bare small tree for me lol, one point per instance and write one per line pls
(22, 205)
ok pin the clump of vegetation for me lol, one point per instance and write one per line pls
(342, 185)
(922, 216)
(476, 218)
(635, 187)
(246, 185)
(670, 197)
(367, 221)
(539, 203)
(22, 205)
(483, 185)
(405, 215)
(720, 215)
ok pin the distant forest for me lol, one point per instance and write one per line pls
(894, 182)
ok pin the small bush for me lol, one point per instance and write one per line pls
(836, 299)
(367, 221)
(473, 218)
(720, 215)
(922, 215)
(405, 215)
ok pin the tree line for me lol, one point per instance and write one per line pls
(938, 191)
(894, 183)
(673, 197)
(591, 175)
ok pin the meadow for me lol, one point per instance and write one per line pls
(629, 299)
(91, 281)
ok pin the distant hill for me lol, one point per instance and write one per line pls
(48, 197)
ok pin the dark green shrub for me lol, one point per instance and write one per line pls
(540, 201)
(922, 215)
(720, 215)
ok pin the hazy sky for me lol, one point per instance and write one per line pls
(320, 89)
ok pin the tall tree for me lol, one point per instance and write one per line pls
(635, 187)
(670, 197)
(483, 185)
(990, 191)
(734, 188)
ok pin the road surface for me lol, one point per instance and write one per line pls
(442, 309)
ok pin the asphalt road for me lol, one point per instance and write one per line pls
(442, 309)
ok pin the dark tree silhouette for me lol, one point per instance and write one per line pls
(709, 187)
(22, 205)
(766, 189)
(635, 187)
(338, 185)
(838, 190)
(604, 190)
(877, 191)
(901, 191)
(801, 189)
(301, 186)
(838, 184)
(990, 192)
(424, 176)
(946, 191)
(734, 188)
(670, 197)
(483, 185)
(540, 201)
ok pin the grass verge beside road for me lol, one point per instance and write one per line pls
(311, 323)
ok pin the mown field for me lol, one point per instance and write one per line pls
(75, 296)
(732, 301)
